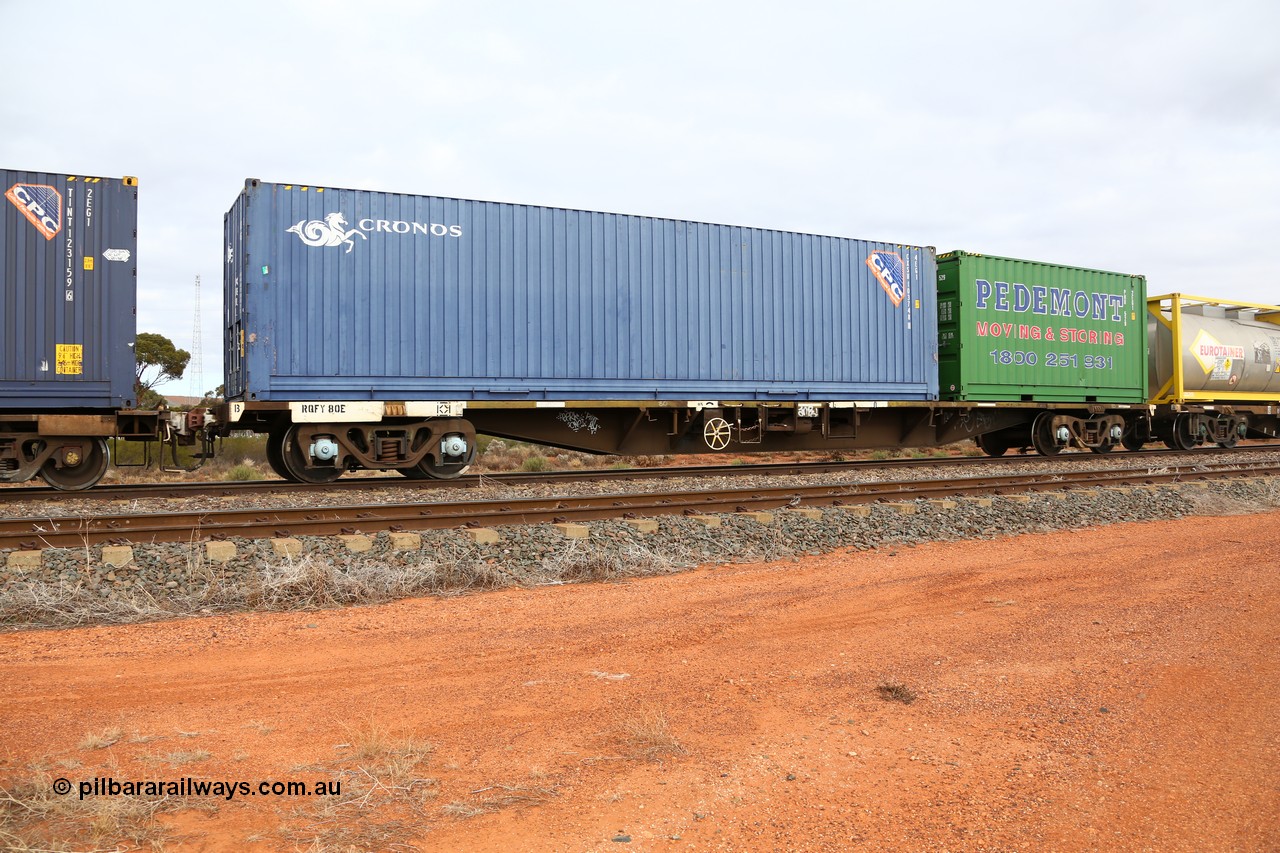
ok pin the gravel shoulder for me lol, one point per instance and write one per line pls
(1096, 688)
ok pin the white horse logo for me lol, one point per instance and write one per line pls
(331, 232)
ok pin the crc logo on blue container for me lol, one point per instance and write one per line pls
(888, 270)
(42, 205)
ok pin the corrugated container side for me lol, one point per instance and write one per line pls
(347, 294)
(1023, 330)
(68, 257)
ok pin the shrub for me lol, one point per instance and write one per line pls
(893, 691)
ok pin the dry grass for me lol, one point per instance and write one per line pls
(301, 584)
(179, 757)
(895, 691)
(310, 583)
(372, 742)
(580, 561)
(497, 797)
(462, 810)
(501, 455)
(384, 793)
(647, 734)
(34, 818)
(383, 790)
(102, 739)
(352, 836)
(1210, 502)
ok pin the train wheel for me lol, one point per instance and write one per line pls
(1230, 442)
(275, 458)
(1131, 441)
(1042, 435)
(293, 459)
(79, 470)
(454, 447)
(1103, 448)
(991, 446)
(1182, 437)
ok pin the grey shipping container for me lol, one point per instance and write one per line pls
(358, 295)
(68, 247)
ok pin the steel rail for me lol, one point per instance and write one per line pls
(183, 526)
(132, 491)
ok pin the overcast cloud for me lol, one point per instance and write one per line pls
(1140, 137)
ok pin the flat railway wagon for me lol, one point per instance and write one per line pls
(378, 330)
(68, 247)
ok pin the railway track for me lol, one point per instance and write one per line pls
(181, 526)
(132, 491)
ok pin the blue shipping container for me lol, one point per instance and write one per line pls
(68, 261)
(354, 295)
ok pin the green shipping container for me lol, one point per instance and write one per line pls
(1014, 330)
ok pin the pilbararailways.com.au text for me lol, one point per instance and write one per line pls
(107, 786)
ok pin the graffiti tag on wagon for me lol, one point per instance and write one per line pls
(977, 421)
(579, 421)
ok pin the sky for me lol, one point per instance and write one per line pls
(1140, 137)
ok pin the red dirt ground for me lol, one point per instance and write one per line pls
(1106, 689)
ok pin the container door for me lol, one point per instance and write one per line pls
(233, 276)
(949, 312)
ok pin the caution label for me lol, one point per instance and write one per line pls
(70, 359)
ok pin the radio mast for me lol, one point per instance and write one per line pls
(196, 366)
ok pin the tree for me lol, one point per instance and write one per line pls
(212, 398)
(158, 352)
